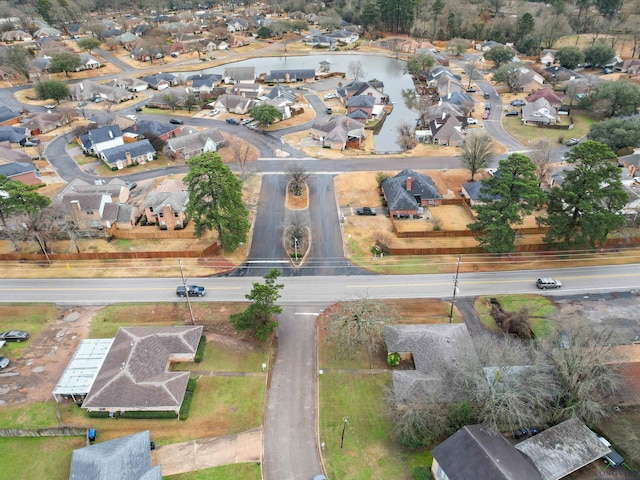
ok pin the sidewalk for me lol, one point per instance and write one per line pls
(209, 452)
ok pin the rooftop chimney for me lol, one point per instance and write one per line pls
(408, 184)
(110, 134)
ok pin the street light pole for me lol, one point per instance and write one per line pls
(186, 293)
(295, 246)
(455, 290)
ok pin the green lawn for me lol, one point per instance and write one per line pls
(541, 310)
(368, 451)
(530, 135)
(218, 358)
(240, 471)
(29, 415)
(109, 319)
(161, 162)
(31, 458)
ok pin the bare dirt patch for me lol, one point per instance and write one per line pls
(298, 202)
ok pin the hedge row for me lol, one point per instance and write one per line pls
(200, 351)
(134, 414)
(188, 396)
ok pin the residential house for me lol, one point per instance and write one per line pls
(88, 210)
(548, 56)
(16, 135)
(530, 80)
(44, 122)
(236, 41)
(234, 104)
(47, 32)
(447, 131)
(202, 86)
(408, 192)
(8, 74)
(124, 458)
(463, 101)
(338, 133)
(48, 43)
(554, 99)
(135, 375)
(251, 90)
(88, 90)
(540, 112)
(194, 143)
(239, 75)
(237, 25)
(16, 36)
(116, 189)
(8, 116)
(433, 350)
(129, 84)
(559, 74)
(321, 41)
(487, 454)
(282, 104)
(471, 190)
(127, 40)
(128, 154)
(24, 172)
(166, 210)
(169, 98)
(488, 45)
(161, 81)
(290, 76)
(87, 62)
(361, 107)
(215, 78)
(282, 92)
(344, 37)
(146, 128)
(95, 141)
(630, 66)
(436, 75)
(373, 89)
(38, 68)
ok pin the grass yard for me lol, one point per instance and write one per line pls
(32, 458)
(541, 310)
(530, 135)
(223, 358)
(31, 318)
(368, 451)
(239, 471)
(29, 415)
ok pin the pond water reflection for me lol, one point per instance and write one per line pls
(388, 70)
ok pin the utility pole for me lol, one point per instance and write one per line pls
(186, 293)
(344, 427)
(295, 246)
(455, 290)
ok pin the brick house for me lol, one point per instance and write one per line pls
(408, 192)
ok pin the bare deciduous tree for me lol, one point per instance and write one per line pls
(355, 70)
(240, 152)
(406, 138)
(477, 152)
(360, 322)
(297, 176)
(541, 157)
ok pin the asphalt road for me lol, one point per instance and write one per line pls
(322, 289)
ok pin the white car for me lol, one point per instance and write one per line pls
(471, 121)
(214, 112)
(329, 96)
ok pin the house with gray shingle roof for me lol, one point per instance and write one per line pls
(234, 104)
(282, 91)
(373, 89)
(128, 154)
(13, 134)
(362, 103)
(539, 112)
(338, 132)
(87, 62)
(23, 172)
(135, 374)
(239, 75)
(408, 192)
(99, 139)
(8, 116)
(166, 209)
(447, 131)
(487, 455)
(124, 458)
(43, 122)
(290, 76)
(144, 128)
(194, 143)
(161, 81)
(87, 90)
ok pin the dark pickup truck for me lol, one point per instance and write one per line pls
(366, 211)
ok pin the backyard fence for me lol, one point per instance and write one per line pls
(44, 432)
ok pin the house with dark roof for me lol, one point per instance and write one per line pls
(290, 76)
(146, 128)
(554, 99)
(135, 374)
(128, 154)
(408, 192)
(43, 122)
(361, 103)
(129, 84)
(373, 89)
(251, 90)
(338, 132)
(540, 112)
(234, 104)
(87, 62)
(203, 86)
(161, 81)
(194, 143)
(471, 190)
(178, 96)
(462, 100)
(8, 116)
(166, 209)
(88, 90)
(284, 92)
(24, 172)
(486, 453)
(124, 458)
(99, 139)
(13, 134)
(447, 131)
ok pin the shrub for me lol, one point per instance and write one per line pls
(188, 396)
(200, 350)
(421, 473)
(147, 415)
(98, 414)
(393, 359)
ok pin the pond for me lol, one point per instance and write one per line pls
(388, 70)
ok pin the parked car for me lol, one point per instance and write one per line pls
(31, 143)
(329, 96)
(607, 71)
(191, 290)
(132, 117)
(99, 99)
(4, 363)
(50, 106)
(366, 211)
(517, 103)
(548, 282)
(511, 113)
(176, 121)
(319, 477)
(492, 171)
(485, 115)
(214, 112)
(329, 110)
(131, 185)
(82, 104)
(486, 96)
(246, 121)
(471, 90)
(138, 109)
(14, 336)
(487, 106)
(521, 433)
(572, 141)
(233, 121)
(471, 121)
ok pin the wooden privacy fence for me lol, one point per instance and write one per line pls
(43, 432)
(210, 251)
